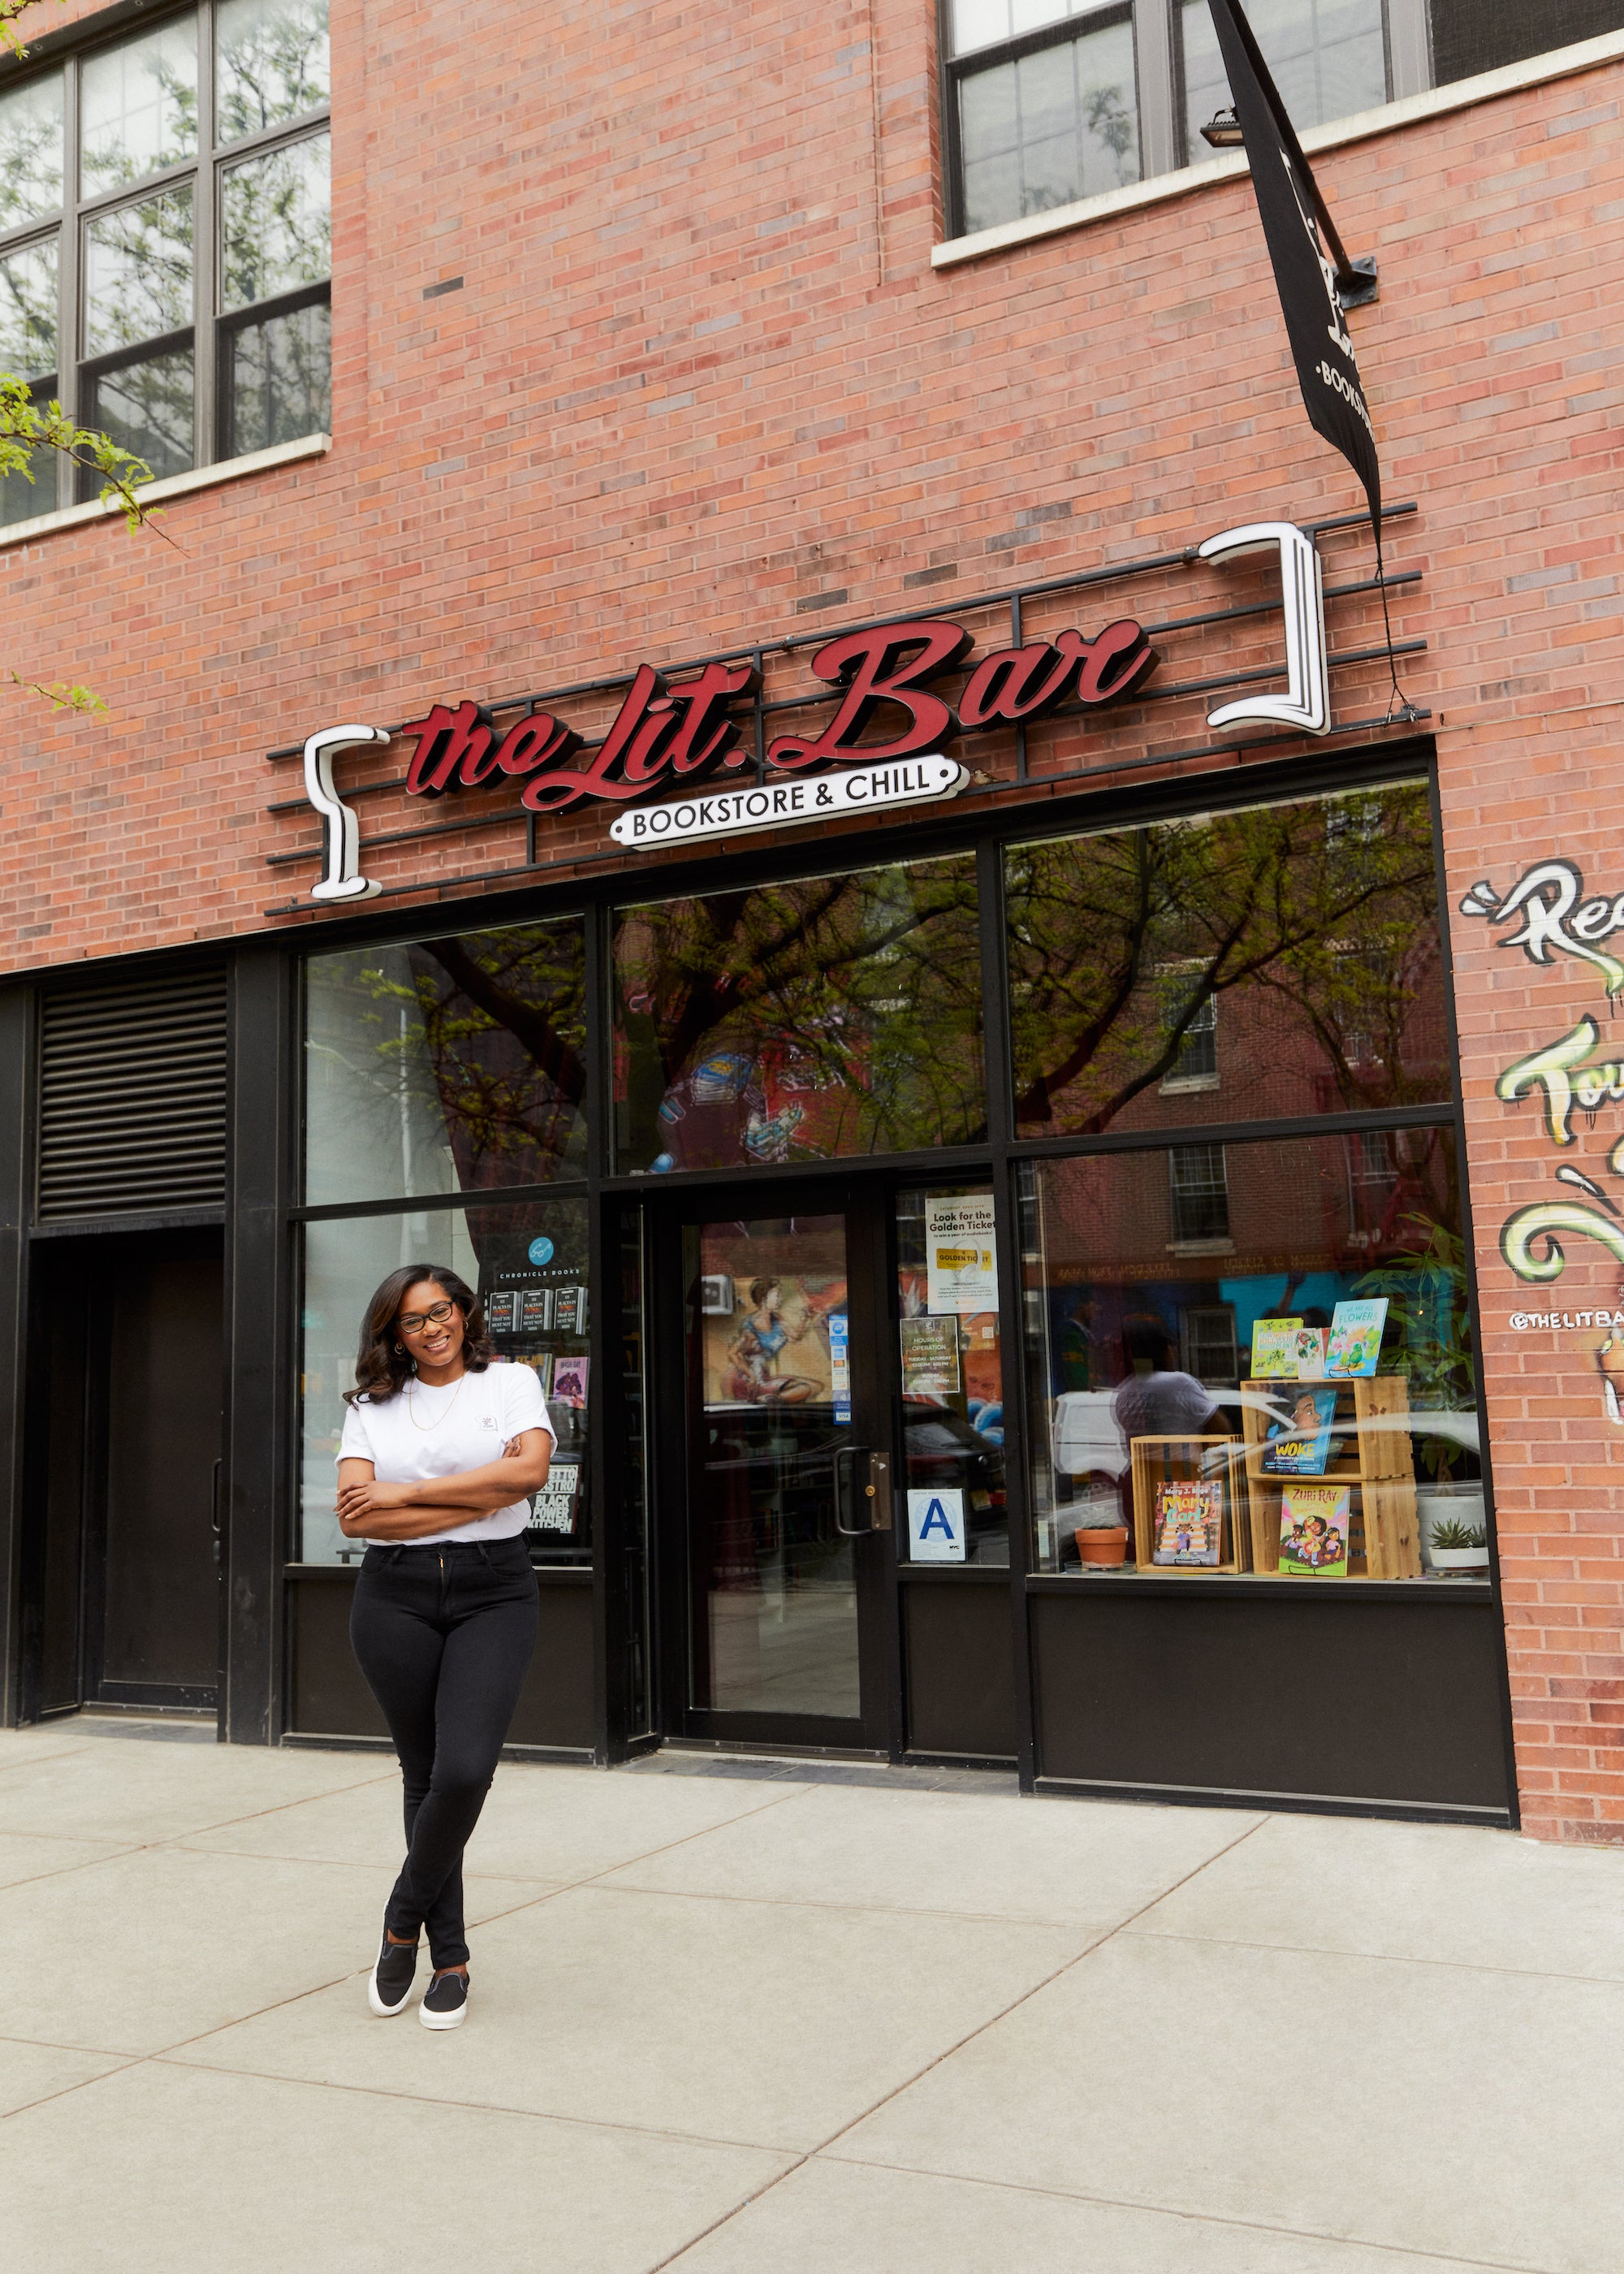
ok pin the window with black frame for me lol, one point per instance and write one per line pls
(1046, 103)
(165, 237)
(1246, 1355)
(445, 1100)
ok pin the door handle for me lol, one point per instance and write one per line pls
(845, 1463)
(214, 1499)
(873, 1501)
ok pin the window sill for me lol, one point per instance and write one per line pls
(1200, 1247)
(174, 486)
(1561, 63)
(1185, 1085)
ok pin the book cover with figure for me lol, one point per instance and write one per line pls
(1300, 1445)
(1313, 1531)
(1274, 1349)
(569, 1376)
(1355, 1338)
(1189, 1523)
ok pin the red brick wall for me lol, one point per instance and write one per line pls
(701, 376)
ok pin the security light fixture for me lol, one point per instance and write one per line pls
(1223, 129)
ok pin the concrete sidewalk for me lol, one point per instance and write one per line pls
(753, 2020)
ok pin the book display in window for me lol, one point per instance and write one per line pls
(1193, 1484)
(1368, 1456)
(539, 1319)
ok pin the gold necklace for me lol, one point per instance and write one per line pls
(426, 1426)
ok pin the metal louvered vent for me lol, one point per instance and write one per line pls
(133, 1098)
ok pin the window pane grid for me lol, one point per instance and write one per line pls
(181, 301)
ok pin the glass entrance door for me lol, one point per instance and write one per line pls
(787, 1483)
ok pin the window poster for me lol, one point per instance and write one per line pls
(961, 1269)
(930, 1356)
(776, 1342)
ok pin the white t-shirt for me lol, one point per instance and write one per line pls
(424, 1431)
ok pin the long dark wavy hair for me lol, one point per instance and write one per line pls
(380, 1370)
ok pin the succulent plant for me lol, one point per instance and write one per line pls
(1452, 1535)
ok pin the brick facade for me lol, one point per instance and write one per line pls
(700, 385)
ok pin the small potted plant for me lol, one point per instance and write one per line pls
(1101, 1534)
(1459, 1546)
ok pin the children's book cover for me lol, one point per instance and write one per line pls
(1299, 1446)
(1355, 1338)
(1313, 1531)
(1310, 1342)
(1274, 1349)
(1189, 1523)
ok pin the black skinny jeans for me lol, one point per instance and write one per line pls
(444, 1637)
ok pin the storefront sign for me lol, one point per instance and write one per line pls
(781, 805)
(881, 685)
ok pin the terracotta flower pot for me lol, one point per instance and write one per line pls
(1106, 1544)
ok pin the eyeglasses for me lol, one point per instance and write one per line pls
(412, 1322)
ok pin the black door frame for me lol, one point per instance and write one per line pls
(86, 1256)
(861, 1198)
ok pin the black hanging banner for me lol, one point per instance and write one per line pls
(1305, 275)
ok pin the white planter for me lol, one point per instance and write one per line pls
(1459, 1559)
(1463, 1505)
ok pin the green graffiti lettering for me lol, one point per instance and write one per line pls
(1543, 1222)
(1548, 1069)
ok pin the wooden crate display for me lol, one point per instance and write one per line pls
(1181, 1460)
(1383, 1532)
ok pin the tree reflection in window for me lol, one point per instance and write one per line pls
(270, 63)
(1322, 943)
(446, 1065)
(807, 1021)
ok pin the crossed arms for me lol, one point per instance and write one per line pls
(368, 1509)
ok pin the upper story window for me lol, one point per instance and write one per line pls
(1046, 102)
(165, 239)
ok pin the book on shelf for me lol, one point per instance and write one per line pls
(1313, 1531)
(1311, 1342)
(1189, 1523)
(1356, 1338)
(1300, 1445)
(501, 1310)
(1274, 1349)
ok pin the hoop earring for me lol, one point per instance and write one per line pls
(399, 1351)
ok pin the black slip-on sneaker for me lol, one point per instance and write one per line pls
(444, 2002)
(391, 1984)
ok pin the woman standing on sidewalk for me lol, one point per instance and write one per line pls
(440, 1449)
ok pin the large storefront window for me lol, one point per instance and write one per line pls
(1279, 961)
(824, 1018)
(450, 1065)
(528, 1264)
(1259, 1360)
(446, 1065)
